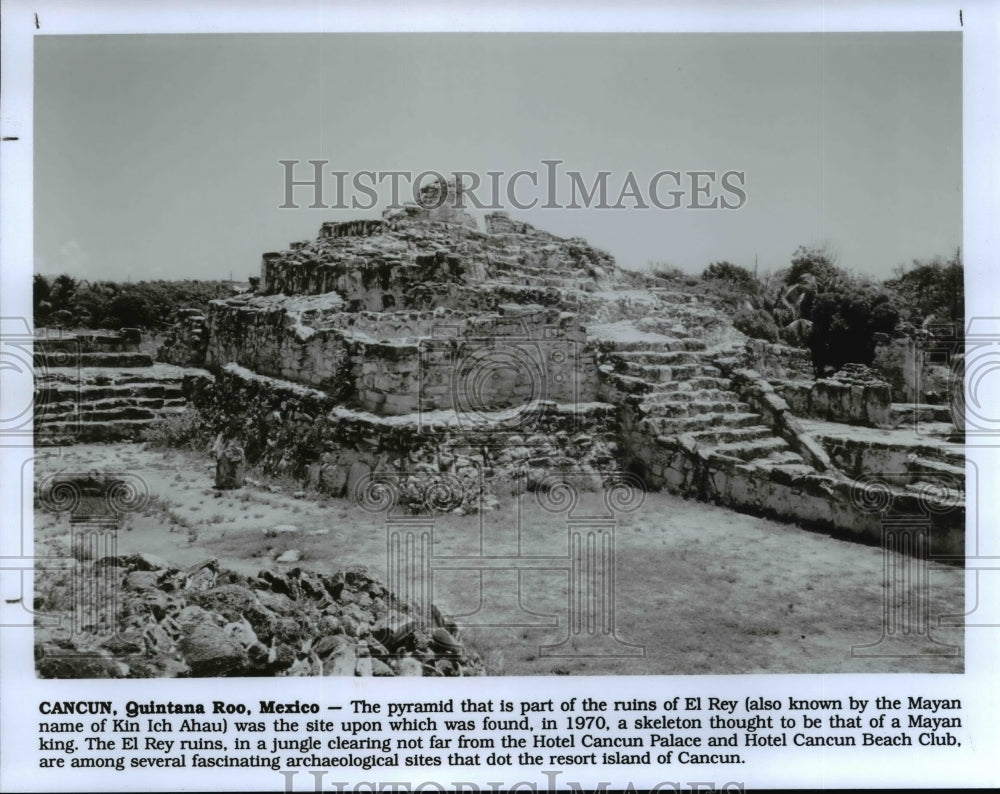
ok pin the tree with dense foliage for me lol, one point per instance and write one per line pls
(832, 312)
(931, 290)
(845, 318)
(108, 304)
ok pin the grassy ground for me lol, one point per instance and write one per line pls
(698, 589)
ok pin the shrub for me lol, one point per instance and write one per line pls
(756, 323)
(727, 271)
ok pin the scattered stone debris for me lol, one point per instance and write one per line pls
(209, 621)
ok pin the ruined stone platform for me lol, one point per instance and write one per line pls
(83, 404)
(308, 434)
(431, 351)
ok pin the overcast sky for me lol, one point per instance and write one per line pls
(157, 156)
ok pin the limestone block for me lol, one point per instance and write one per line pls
(333, 479)
(357, 474)
(878, 405)
(230, 468)
(775, 403)
(813, 451)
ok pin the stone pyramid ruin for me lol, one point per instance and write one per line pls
(453, 363)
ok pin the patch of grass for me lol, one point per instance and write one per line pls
(254, 544)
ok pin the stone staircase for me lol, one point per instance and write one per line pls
(906, 461)
(86, 395)
(513, 272)
(688, 426)
(676, 396)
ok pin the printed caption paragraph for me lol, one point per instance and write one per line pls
(466, 732)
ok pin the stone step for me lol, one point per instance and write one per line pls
(669, 393)
(522, 281)
(790, 470)
(629, 384)
(80, 432)
(730, 435)
(658, 345)
(694, 383)
(69, 344)
(117, 414)
(89, 414)
(66, 407)
(748, 450)
(668, 357)
(515, 267)
(52, 393)
(688, 424)
(919, 465)
(933, 492)
(92, 343)
(787, 457)
(503, 259)
(903, 413)
(693, 408)
(663, 373)
(99, 391)
(545, 277)
(152, 403)
(107, 376)
(44, 360)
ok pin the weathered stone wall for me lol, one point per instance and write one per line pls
(415, 257)
(498, 362)
(502, 223)
(303, 433)
(405, 362)
(777, 361)
(368, 284)
(269, 339)
(359, 228)
(823, 500)
(916, 376)
(186, 343)
(401, 325)
(856, 395)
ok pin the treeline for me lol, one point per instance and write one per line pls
(837, 314)
(66, 302)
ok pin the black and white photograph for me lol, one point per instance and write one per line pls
(633, 383)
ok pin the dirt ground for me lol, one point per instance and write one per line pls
(697, 589)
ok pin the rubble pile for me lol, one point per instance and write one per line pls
(164, 621)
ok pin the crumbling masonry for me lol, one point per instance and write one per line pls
(461, 363)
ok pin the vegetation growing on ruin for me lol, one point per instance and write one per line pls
(837, 315)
